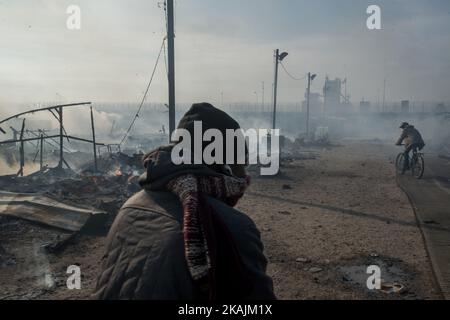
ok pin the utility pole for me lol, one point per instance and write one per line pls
(171, 65)
(308, 92)
(278, 58)
(307, 105)
(275, 87)
(271, 97)
(384, 96)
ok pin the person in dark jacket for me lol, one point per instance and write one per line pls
(413, 141)
(180, 237)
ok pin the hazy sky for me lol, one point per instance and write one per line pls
(221, 46)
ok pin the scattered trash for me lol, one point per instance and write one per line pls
(394, 272)
(59, 244)
(315, 270)
(391, 288)
(302, 260)
(345, 279)
(48, 211)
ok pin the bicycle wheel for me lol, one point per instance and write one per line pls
(399, 163)
(418, 167)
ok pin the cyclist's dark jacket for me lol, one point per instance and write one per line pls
(411, 136)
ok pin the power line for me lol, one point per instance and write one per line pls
(144, 97)
(167, 28)
(290, 75)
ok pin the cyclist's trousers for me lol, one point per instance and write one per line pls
(408, 149)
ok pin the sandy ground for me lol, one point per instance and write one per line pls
(323, 222)
(341, 212)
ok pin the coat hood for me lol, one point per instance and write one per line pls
(160, 169)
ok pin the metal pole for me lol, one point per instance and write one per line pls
(384, 95)
(307, 105)
(61, 138)
(93, 140)
(41, 165)
(171, 67)
(22, 157)
(22, 151)
(275, 87)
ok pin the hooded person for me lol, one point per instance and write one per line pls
(180, 237)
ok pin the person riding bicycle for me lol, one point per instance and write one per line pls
(413, 141)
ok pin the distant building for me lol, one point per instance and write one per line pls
(364, 106)
(405, 106)
(334, 102)
(332, 96)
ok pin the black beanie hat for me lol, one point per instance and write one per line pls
(211, 118)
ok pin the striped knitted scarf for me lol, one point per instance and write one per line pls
(202, 228)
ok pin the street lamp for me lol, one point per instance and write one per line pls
(311, 77)
(278, 58)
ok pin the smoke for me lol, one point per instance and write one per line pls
(79, 121)
(10, 169)
(4, 167)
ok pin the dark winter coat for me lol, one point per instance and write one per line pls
(144, 256)
(410, 136)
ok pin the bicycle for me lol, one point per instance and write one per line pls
(416, 164)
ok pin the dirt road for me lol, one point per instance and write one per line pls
(431, 200)
(323, 221)
(340, 213)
